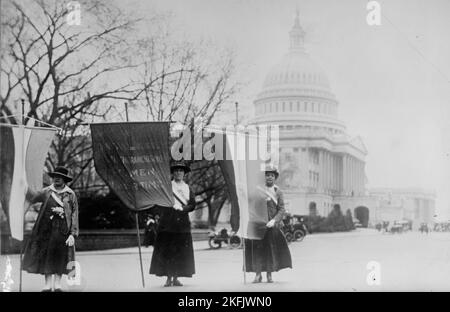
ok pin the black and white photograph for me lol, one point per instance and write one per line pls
(226, 146)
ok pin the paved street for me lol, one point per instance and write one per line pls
(322, 262)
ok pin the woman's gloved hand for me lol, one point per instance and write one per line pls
(271, 223)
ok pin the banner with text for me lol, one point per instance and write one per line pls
(133, 159)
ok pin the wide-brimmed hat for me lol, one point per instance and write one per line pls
(273, 169)
(179, 165)
(62, 172)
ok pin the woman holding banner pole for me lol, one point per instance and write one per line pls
(173, 254)
(50, 247)
(271, 253)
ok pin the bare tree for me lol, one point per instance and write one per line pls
(70, 75)
(63, 72)
(187, 81)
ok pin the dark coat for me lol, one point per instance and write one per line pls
(70, 208)
(271, 253)
(46, 251)
(176, 221)
(173, 254)
(276, 211)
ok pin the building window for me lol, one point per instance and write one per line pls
(276, 108)
(314, 156)
(298, 106)
(295, 149)
(284, 107)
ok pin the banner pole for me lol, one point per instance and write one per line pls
(243, 255)
(22, 123)
(20, 268)
(139, 244)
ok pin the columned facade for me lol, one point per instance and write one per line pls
(319, 162)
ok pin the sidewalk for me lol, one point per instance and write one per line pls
(321, 262)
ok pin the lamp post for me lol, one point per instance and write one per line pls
(237, 117)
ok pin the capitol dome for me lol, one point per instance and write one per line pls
(298, 70)
(296, 91)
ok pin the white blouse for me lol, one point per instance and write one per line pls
(181, 189)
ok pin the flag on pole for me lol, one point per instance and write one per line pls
(243, 171)
(23, 151)
(133, 159)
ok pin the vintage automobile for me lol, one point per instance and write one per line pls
(424, 228)
(294, 228)
(400, 226)
(216, 239)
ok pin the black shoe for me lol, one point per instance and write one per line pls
(168, 283)
(258, 279)
(177, 283)
(58, 290)
(46, 290)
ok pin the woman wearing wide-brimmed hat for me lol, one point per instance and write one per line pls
(51, 244)
(173, 254)
(271, 253)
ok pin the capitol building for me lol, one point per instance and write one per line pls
(320, 164)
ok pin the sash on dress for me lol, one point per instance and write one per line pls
(180, 194)
(269, 193)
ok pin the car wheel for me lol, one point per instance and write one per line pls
(235, 241)
(299, 235)
(214, 244)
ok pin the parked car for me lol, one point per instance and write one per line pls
(357, 224)
(294, 228)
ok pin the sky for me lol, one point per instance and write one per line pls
(392, 81)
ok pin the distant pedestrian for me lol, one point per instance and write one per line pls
(51, 245)
(150, 231)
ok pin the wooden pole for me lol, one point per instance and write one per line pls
(139, 244)
(126, 111)
(22, 122)
(243, 252)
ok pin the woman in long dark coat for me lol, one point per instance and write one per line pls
(173, 254)
(270, 254)
(51, 245)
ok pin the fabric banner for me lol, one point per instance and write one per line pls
(133, 159)
(23, 151)
(244, 175)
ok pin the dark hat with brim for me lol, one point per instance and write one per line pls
(61, 172)
(179, 165)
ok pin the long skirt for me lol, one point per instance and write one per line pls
(270, 254)
(46, 251)
(173, 255)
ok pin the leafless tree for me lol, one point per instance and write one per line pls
(69, 75)
(63, 71)
(187, 81)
